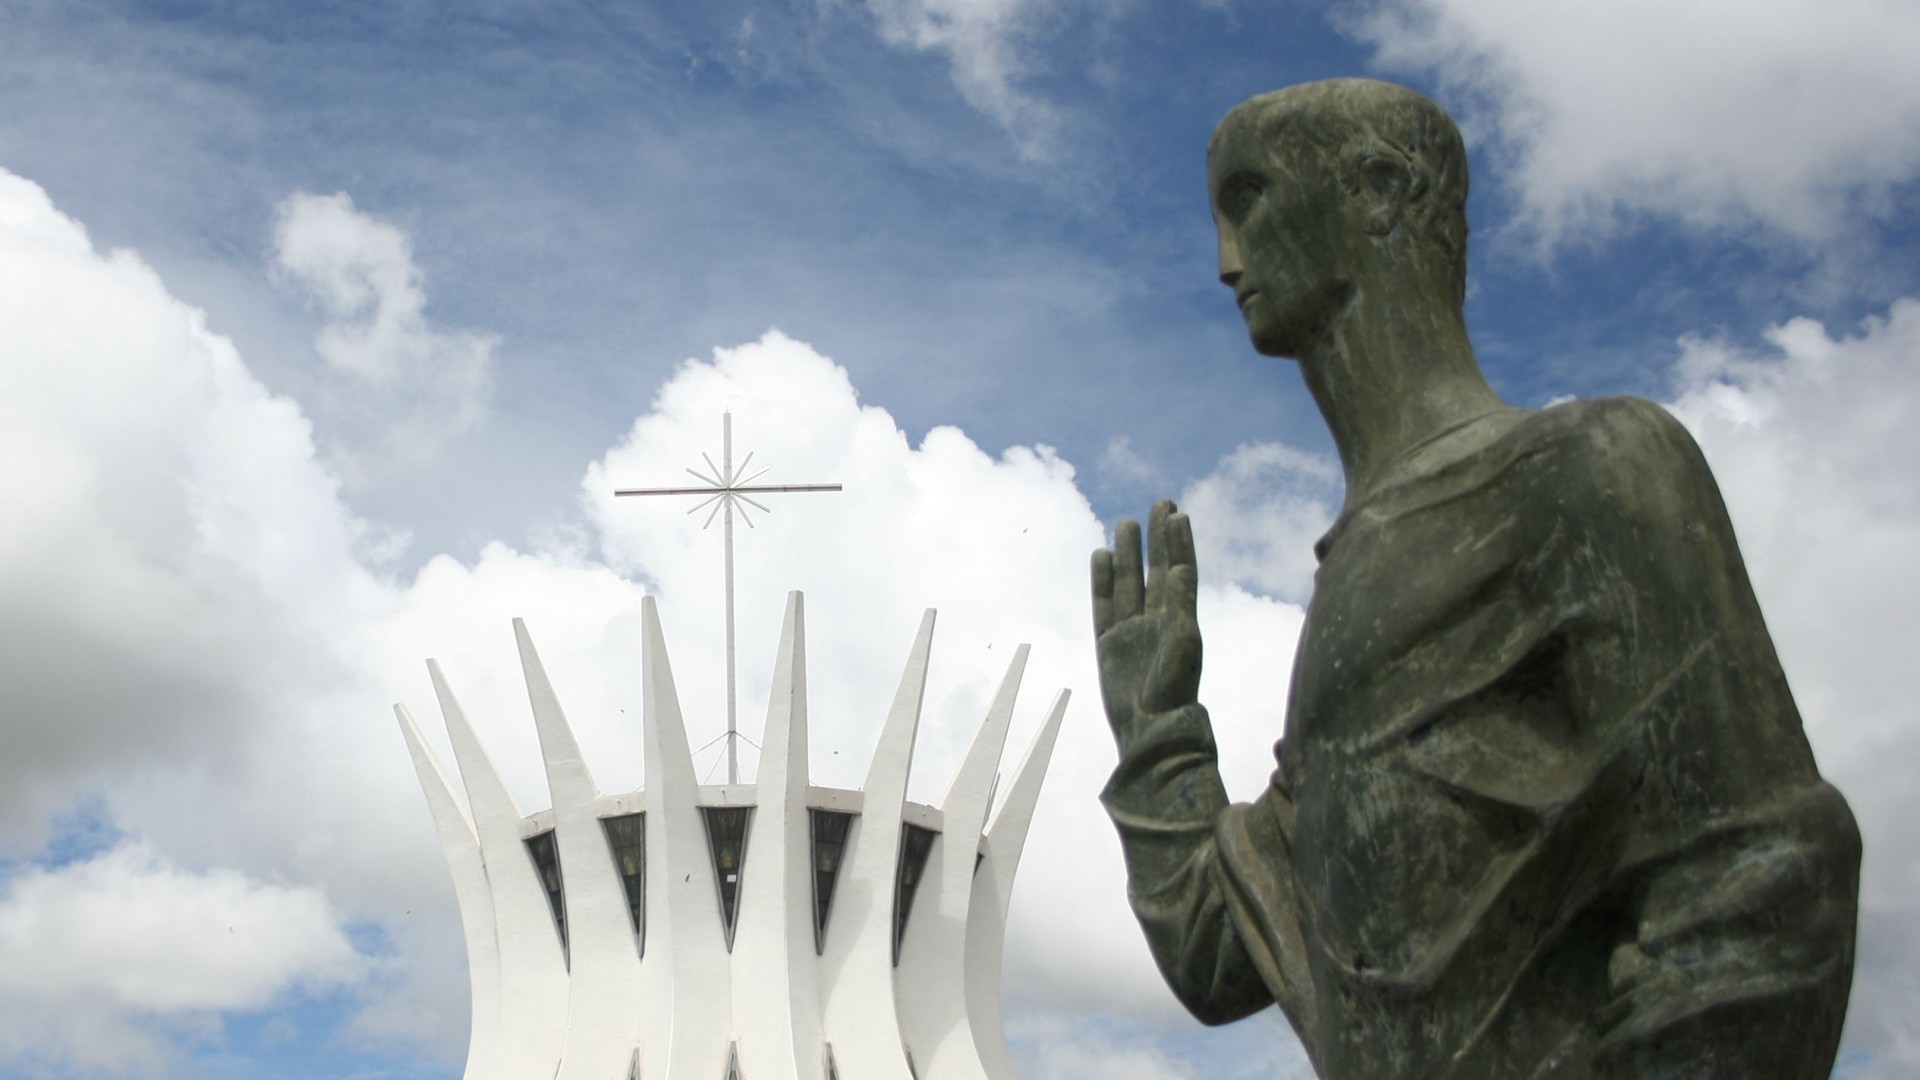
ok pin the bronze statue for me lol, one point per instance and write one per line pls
(1544, 807)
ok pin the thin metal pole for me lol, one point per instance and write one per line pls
(733, 750)
(723, 488)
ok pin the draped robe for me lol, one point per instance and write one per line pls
(1544, 806)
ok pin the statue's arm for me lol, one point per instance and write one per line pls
(1166, 797)
(1166, 800)
(1739, 948)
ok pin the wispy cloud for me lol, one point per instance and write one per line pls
(417, 385)
(989, 47)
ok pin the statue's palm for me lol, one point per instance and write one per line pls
(1147, 633)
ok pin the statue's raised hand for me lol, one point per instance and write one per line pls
(1146, 632)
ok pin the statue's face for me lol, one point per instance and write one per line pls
(1281, 220)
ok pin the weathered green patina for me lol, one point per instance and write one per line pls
(1544, 806)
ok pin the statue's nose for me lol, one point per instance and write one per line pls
(1230, 267)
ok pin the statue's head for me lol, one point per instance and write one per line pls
(1320, 188)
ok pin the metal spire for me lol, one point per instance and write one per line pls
(726, 488)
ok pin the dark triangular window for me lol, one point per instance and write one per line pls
(833, 1071)
(915, 844)
(829, 849)
(733, 1049)
(627, 840)
(633, 1065)
(546, 863)
(727, 840)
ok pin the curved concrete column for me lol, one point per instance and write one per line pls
(931, 999)
(533, 972)
(993, 891)
(776, 994)
(469, 871)
(690, 969)
(857, 960)
(603, 1013)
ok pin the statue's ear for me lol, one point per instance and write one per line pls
(1385, 184)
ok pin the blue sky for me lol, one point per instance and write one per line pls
(457, 266)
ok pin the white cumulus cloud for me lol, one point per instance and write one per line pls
(197, 643)
(1257, 515)
(1790, 113)
(170, 546)
(150, 935)
(95, 950)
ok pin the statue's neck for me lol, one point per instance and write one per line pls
(1389, 375)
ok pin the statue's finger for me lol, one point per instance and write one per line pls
(1157, 555)
(1183, 590)
(1102, 591)
(1157, 533)
(1180, 541)
(1128, 590)
(1181, 546)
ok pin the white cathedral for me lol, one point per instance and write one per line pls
(768, 931)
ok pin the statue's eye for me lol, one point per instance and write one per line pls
(1240, 195)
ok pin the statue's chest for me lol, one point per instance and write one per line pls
(1396, 603)
(1407, 616)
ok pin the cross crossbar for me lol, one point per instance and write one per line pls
(728, 488)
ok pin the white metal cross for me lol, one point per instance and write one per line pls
(726, 488)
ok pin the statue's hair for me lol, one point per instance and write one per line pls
(1359, 120)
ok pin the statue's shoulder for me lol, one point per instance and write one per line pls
(1596, 435)
(1622, 455)
(1608, 461)
(1631, 426)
